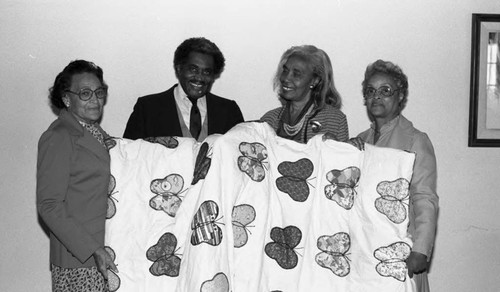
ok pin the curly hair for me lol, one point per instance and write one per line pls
(391, 69)
(203, 46)
(64, 79)
(324, 92)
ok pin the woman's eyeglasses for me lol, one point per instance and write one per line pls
(384, 91)
(86, 93)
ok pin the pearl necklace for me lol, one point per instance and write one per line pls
(293, 130)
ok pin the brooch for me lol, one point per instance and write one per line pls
(316, 126)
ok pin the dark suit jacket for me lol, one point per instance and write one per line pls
(73, 173)
(156, 115)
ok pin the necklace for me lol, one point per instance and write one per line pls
(293, 130)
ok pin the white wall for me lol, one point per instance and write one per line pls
(134, 41)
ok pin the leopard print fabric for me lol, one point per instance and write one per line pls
(96, 131)
(78, 280)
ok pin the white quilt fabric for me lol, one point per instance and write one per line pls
(261, 214)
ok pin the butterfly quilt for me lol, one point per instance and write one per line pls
(250, 211)
(242, 216)
(111, 211)
(342, 186)
(281, 249)
(167, 192)
(113, 279)
(252, 160)
(164, 257)
(204, 225)
(333, 255)
(393, 201)
(294, 180)
(202, 165)
(392, 260)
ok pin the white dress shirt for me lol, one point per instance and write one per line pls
(184, 105)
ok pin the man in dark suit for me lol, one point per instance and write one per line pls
(188, 110)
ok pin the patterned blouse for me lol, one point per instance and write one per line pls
(96, 131)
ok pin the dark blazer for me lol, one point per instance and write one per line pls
(73, 173)
(156, 115)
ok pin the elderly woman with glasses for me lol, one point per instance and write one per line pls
(73, 174)
(385, 91)
(311, 103)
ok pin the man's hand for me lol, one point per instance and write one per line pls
(104, 261)
(416, 263)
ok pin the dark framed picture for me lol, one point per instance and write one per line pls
(484, 111)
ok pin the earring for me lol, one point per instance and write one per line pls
(311, 86)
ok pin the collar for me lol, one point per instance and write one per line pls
(84, 137)
(87, 124)
(69, 119)
(181, 96)
(387, 126)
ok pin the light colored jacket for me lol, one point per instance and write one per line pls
(400, 134)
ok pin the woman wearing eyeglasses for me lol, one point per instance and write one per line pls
(73, 173)
(385, 91)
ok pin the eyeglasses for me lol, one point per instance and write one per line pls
(86, 93)
(384, 91)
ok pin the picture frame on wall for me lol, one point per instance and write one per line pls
(484, 110)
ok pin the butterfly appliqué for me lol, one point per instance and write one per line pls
(204, 225)
(219, 283)
(242, 216)
(392, 260)
(167, 141)
(341, 190)
(111, 210)
(114, 281)
(394, 197)
(334, 253)
(282, 247)
(202, 164)
(162, 254)
(252, 160)
(294, 179)
(167, 192)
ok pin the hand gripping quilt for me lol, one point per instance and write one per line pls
(250, 211)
